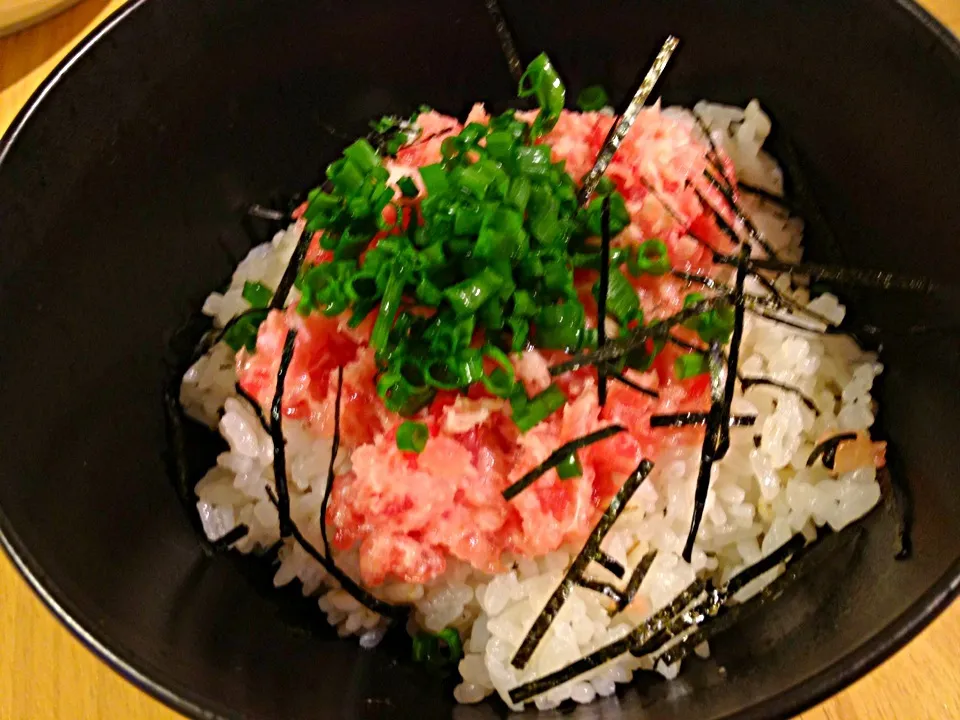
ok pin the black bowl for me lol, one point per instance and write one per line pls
(122, 187)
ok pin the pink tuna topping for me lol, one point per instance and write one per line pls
(408, 513)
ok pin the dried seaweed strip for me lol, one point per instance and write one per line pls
(281, 499)
(828, 449)
(505, 37)
(877, 279)
(767, 196)
(233, 535)
(754, 234)
(579, 565)
(620, 129)
(291, 271)
(787, 302)
(696, 419)
(636, 579)
(611, 564)
(557, 457)
(683, 614)
(742, 216)
(602, 290)
(276, 434)
(254, 405)
(749, 382)
(804, 555)
(618, 347)
(603, 588)
(717, 434)
(714, 154)
(346, 582)
(611, 651)
(623, 379)
(331, 475)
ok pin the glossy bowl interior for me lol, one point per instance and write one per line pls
(122, 188)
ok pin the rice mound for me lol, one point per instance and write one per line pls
(761, 493)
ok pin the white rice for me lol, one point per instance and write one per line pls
(759, 496)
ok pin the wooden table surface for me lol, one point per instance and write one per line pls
(45, 673)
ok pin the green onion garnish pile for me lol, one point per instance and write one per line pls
(481, 267)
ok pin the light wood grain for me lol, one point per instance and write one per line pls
(45, 673)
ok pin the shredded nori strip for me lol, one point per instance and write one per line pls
(558, 456)
(281, 499)
(766, 195)
(718, 608)
(229, 538)
(291, 271)
(331, 475)
(603, 588)
(716, 439)
(253, 404)
(879, 279)
(704, 280)
(507, 44)
(695, 419)
(610, 564)
(603, 288)
(618, 347)
(621, 378)
(638, 636)
(346, 582)
(579, 565)
(749, 382)
(620, 128)
(664, 625)
(636, 579)
(788, 302)
(265, 213)
(755, 235)
(828, 449)
(276, 434)
(714, 154)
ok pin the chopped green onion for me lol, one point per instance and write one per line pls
(434, 179)
(408, 187)
(243, 332)
(535, 410)
(560, 327)
(651, 259)
(500, 380)
(592, 98)
(690, 365)
(523, 304)
(440, 651)
(534, 160)
(570, 468)
(468, 296)
(622, 300)
(412, 436)
(541, 79)
(257, 294)
(363, 155)
(388, 308)
(521, 331)
(425, 647)
(402, 396)
(454, 646)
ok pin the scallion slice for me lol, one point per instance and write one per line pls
(412, 436)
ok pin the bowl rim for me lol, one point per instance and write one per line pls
(153, 680)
